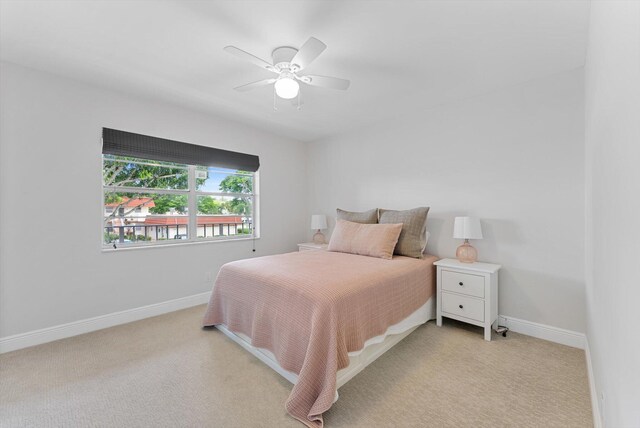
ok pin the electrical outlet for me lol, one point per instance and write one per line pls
(208, 277)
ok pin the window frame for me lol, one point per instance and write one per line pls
(192, 210)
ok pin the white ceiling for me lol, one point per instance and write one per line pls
(399, 55)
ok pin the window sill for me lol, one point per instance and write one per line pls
(172, 245)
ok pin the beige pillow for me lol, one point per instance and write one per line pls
(365, 217)
(375, 240)
(413, 238)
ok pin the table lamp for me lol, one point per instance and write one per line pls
(467, 228)
(318, 223)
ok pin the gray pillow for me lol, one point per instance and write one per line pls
(413, 238)
(365, 217)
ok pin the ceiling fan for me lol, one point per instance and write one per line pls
(287, 63)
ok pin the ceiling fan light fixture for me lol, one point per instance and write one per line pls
(287, 87)
(286, 63)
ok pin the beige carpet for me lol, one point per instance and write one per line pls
(168, 372)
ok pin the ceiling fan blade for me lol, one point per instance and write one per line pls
(251, 58)
(307, 53)
(253, 85)
(326, 82)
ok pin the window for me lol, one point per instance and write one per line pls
(154, 202)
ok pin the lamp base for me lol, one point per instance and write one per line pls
(318, 238)
(466, 253)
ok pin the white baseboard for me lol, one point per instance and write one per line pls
(37, 337)
(595, 403)
(542, 331)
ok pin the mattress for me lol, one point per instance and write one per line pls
(358, 360)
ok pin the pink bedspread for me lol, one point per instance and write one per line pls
(314, 307)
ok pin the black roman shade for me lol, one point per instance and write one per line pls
(123, 143)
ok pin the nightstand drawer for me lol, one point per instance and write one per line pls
(463, 306)
(463, 283)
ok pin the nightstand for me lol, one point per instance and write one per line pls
(468, 292)
(310, 246)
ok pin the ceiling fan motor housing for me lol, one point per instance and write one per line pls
(282, 57)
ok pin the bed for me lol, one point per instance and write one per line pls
(320, 317)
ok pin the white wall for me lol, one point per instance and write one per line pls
(515, 158)
(613, 206)
(50, 154)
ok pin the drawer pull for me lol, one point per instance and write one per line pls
(461, 283)
(460, 306)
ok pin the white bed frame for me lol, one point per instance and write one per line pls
(373, 348)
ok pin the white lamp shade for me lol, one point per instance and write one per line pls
(467, 228)
(318, 221)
